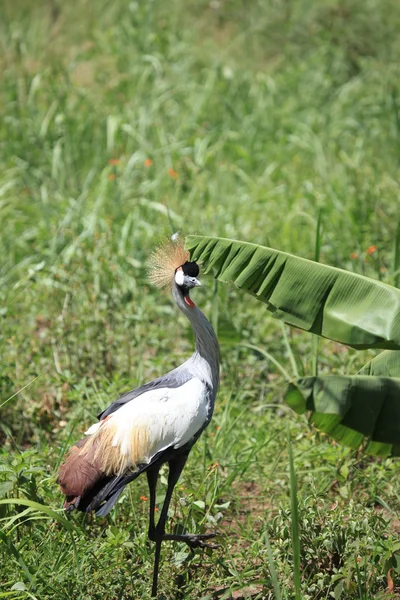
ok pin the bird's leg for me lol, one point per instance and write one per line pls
(175, 469)
(157, 532)
(152, 476)
(191, 539)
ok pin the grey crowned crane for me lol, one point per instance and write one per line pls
(154, 424)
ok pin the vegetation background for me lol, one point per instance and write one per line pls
(121, 122)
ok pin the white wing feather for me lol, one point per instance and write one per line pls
(171, 415)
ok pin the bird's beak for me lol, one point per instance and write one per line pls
(196, 282)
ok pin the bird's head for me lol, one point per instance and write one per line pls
(170, 265)
(186, 279)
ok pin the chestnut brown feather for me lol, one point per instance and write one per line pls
(80, 471)
(96, 456)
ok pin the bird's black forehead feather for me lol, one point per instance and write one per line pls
(191, 269)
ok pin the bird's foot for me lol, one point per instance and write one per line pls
(193, 540)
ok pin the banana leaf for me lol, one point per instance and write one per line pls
(329, 302)
(386, 364)
(355, 410)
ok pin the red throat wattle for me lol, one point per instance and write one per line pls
(189, 302)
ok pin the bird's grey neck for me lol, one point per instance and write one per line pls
(206, 341)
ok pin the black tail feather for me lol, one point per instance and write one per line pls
(102, 497)
(107, 506)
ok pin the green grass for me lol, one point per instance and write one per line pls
(273, 122)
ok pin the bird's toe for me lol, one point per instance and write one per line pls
(199, 541)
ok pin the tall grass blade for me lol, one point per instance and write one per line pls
(396, 113)
(215, 307)
(14, 551)
(271, 566)
(20, 390)
(269, 356)
(289, 350)
(294, 524)
(41, 508)
(396, 257)
(318, 237)
(317, 253)
(359, 583)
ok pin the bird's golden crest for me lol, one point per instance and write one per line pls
(164, 261)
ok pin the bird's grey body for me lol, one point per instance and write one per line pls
(203, 364)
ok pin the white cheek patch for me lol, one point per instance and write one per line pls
(179, 277)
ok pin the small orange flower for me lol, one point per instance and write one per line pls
(371, 250)
(148, 162)
(213, 467)
(114, 162)
(354, 256)
(112, 176)
(218, 427)
(156, 509)
(144, 498)
(173, 174)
